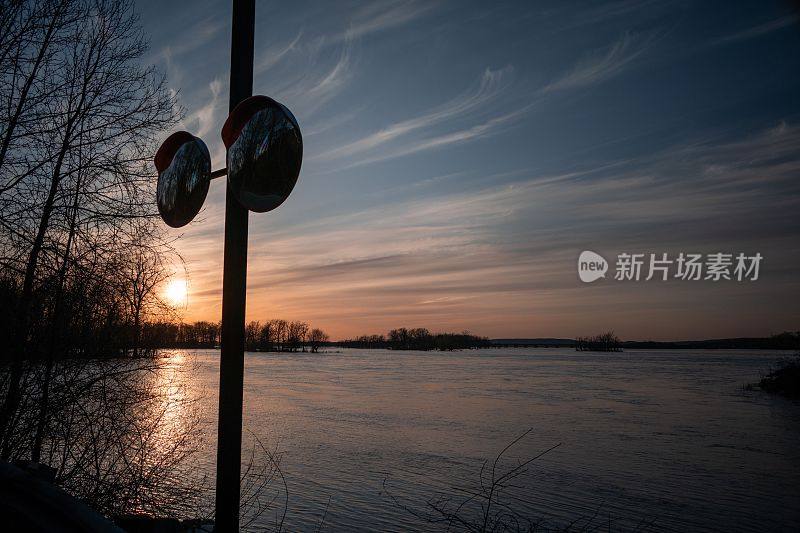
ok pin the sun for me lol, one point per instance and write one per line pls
(176, 292)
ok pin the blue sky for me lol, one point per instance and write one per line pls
(460, 155)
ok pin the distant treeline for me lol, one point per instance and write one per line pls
(115, 338)
(291, 336)
(783, 341)
(271, 335)
(788, 340)
(418, 339)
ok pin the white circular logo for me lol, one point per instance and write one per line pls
(591, 266)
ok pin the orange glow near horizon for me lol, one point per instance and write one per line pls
(453, 289)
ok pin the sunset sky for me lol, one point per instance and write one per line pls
(459, 156)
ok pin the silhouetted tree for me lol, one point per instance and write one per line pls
(316, 337)
(604, 342)
(78, 125)
(281, 331)
(296, 333)
(140, 276)
(266, 336)
(252, 331)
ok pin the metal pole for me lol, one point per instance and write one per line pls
(234, 282)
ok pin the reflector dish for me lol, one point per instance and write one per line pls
(265, 151)
(184, 173)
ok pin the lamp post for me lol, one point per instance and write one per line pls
(263, 156)
(234, 288)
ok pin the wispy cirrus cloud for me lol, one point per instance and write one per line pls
(499, 255)
(483, 129)
(188, 39)
(492, 83)
(272, 56)
(335, 78)
(375, 17)
(314, 87)
(601, 65)
(678, 184)
(181, 45)
(602, 13)
(758, 30)
(317, 85)
(204, 119)
(207, 117)
(335, 121)
(383, 145)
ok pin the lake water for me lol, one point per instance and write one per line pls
(649, 440)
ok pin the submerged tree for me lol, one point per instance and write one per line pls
(315, 339)
(604, 342)
(296, 335)
(494, 502)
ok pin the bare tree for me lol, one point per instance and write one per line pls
(79, 120)
(82, 260)
(266, 336)
(316, 337)
(259, 487)
(30, 35)
(252, 331)
(604, 342)
(281, 329)
(296, 334)
(142, 272)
